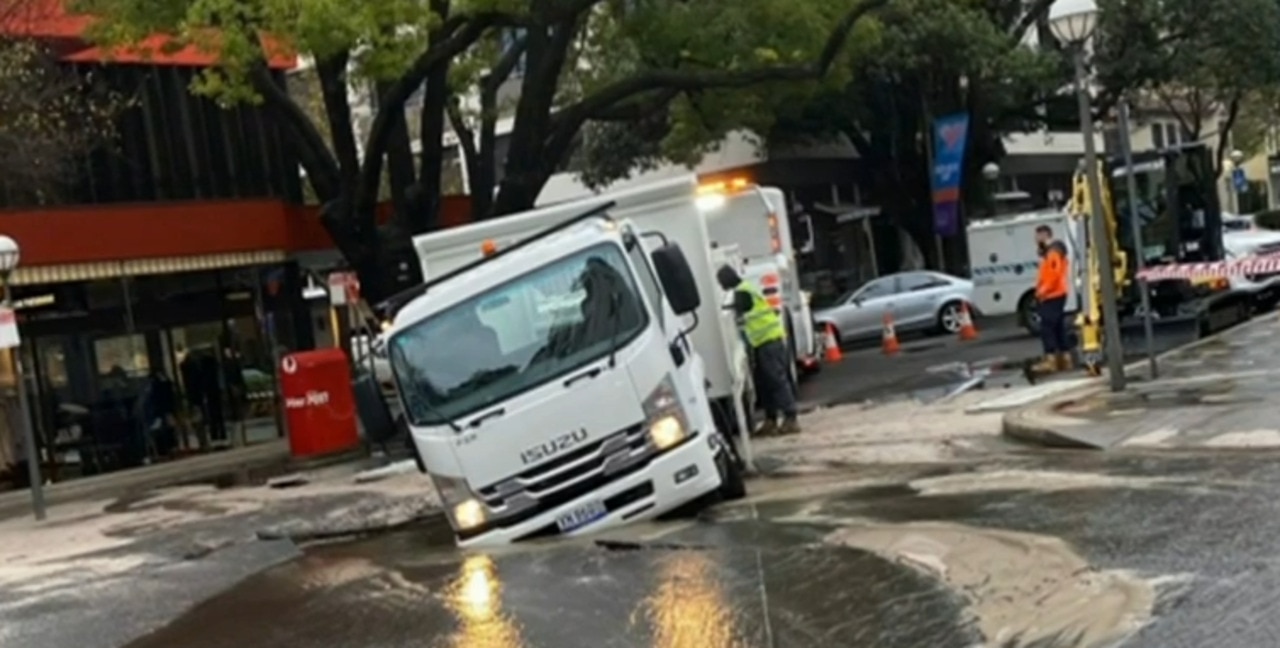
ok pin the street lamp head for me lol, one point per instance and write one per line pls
(1072, 21)
(1237, 157)
(8, 254)
(991, 171)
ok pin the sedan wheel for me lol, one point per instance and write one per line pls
(949, 318)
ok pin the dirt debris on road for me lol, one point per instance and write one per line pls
(901, 432)
(188, 522)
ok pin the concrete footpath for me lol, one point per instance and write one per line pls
(1215, 393)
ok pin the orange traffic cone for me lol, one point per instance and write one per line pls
(967, 330)
(831, 350)
(889, 340)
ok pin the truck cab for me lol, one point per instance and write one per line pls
(551, 388)
(755, 220)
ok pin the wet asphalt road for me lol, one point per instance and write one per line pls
(931, 558)
(866, 374)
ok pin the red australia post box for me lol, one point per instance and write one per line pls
(320, 408)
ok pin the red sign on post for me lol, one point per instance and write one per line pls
(344, 288)
(320, 408)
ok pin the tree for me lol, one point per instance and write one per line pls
(1203, 61)
(586, 60)
(49, 117)
(919, 59)
(621, 64)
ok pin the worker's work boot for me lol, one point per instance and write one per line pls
(1065, 363)
(767, 429)
(1047, 364)
(790, 426)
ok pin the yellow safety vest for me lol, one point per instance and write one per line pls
(761, 324)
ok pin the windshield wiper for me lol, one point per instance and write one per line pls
(479, 420)
(446, 420)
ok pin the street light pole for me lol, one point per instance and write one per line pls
(1131, 184)
(1100, 237)
(9, 255)
(1072, 23)
(991, 172)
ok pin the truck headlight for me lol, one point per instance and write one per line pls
(463, 509)
(664, 416)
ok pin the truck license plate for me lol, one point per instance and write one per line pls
(581, 516)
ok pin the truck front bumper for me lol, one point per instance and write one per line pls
(670, 480)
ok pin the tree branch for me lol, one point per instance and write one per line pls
(466, 139)
(313, 154)
(574, 115)
(502, 70)
(639, 107)
(337, 107)
(1034, 13)
(1224, 133)
(460, 33)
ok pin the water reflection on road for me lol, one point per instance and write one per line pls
(829, 568)
(476, 598)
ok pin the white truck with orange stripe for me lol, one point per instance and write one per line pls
(754, 220)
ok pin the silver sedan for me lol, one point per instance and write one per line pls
(919, 300)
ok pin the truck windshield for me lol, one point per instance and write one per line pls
(517, 336)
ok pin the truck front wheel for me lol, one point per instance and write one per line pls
(733, 483)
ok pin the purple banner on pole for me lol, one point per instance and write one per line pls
(946, 218)
(950, 134)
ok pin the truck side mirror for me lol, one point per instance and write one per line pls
(677, 278)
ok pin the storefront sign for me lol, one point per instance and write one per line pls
(950, 134)
(9, 329)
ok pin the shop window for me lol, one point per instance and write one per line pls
(127, 353)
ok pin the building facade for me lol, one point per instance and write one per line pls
(158, 288)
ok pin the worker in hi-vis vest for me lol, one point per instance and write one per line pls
(763, 328)
(1052, 286)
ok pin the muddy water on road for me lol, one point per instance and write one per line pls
(796, 567)
(1023, 589)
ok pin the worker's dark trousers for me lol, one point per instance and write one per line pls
(1053, 325)
(773, 380)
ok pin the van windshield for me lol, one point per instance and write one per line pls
(518, 335)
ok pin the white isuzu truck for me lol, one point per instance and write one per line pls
(754, 219)
(570, 369)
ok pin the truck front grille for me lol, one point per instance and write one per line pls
(568, 477)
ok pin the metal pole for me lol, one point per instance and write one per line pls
(28, 430)
(1106, 270)
(1148, 331)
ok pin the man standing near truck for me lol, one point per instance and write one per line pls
(765, 332)
(1051, 295)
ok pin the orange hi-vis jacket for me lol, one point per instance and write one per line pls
(1052, 280)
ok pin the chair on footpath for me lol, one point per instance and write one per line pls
(831, 346)
(968, 331)
(889, 337)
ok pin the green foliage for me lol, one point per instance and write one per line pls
(659, 35)
(49, 116)
(384, 35)
(1199, 58)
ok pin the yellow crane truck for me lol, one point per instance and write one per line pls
(1180, 222)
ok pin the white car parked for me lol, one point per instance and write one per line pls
(920, 300)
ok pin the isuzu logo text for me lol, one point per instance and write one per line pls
(553, 447)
